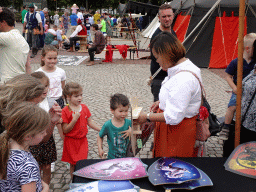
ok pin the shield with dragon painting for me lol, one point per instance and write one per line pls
(190, 185)
(172, 171)
(115, 169)
(242, 160)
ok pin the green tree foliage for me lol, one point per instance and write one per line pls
(6, 3)
(95, 4)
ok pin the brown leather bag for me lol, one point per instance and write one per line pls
(202, 127)
(36, 31)
(202, 132)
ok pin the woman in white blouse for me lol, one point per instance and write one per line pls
(179, 100)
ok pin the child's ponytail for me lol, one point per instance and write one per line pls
(22, 120)
(65, 92)
(4, 154)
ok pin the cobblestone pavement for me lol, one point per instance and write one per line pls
(102, 80)
(127, 77)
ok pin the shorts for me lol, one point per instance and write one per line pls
(61, 103)
(59, 37)
(44, 153)
(232, 101)
(54, 42)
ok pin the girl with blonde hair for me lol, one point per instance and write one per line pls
(26, 125)
(20, 88)
(76, 116)
(25, 88)
(56, 75)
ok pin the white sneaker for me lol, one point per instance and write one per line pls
(224, 133)
(53, 167)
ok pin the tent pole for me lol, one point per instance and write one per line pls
(239, 71)
(213, 7)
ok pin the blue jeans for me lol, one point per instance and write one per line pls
(232, 101)
(54, 42)
(89, 38)
(41, 40)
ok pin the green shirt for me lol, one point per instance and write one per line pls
(23, 13)
(49, 38)
(103, 24)
(116, 143)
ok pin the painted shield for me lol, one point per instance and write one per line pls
(242, 160)
(106, 186)
(190, 185)
(172, 171)
(115, 169)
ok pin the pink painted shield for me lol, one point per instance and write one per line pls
(115, 169)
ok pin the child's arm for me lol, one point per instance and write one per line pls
(28, 67)
(55, 115)
(127, 133)
(66, 128)
(229, 79)
(46, 187)
(100, 149)
(29, 187)
(63, 84)
(93, 124)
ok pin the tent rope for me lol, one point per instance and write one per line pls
(246, 11)
(190, 10)
(199, 31)
(206, 15)
(253, 12)
(222, 33)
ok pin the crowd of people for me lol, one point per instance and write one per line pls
(41, 29)
(26, 137)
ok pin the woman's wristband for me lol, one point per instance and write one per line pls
(148, 119)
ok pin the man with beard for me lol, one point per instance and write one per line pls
(165, 15)
(33, 21)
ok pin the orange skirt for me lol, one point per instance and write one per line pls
(175, 140)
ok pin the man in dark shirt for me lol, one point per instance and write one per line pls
(165, 15)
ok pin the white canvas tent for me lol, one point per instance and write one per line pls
(149, 31)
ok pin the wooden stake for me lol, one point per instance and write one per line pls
(239, 71)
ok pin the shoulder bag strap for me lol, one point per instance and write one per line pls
(201, 85)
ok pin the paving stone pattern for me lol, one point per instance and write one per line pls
(129, 77)
(102, 80)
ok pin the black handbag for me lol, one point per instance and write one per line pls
(214, 124)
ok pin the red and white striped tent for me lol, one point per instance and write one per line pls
(209, 29)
